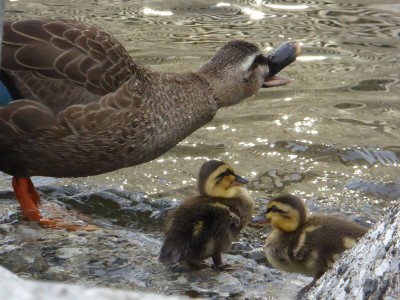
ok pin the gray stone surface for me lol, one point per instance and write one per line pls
(15, 288)
(370, 270)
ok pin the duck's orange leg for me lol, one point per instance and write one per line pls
(29, 201)
(27, 197)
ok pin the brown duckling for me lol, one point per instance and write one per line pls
(305, 244)
(205, 226)
(85, 107)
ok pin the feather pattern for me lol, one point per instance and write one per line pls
(84, 107)
(206, 225)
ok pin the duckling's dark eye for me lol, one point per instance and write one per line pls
(274, 209)
(227, 172)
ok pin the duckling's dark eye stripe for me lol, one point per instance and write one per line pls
(227, 172)
(275, 209)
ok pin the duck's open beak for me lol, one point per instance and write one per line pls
(260, 219)
(284, 55)
(239, 180)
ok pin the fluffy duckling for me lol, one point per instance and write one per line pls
(205, 226)
(302, 244)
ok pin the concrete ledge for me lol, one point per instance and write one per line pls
(15, 288)
(370, 270)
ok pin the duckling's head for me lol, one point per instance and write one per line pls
(286, 212)
(218, 179)
(239, 69)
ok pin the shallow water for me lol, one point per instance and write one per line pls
(331, 136)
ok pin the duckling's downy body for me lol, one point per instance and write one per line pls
(87, 108)
(205, 226)
(307, 245)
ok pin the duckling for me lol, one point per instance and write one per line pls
(205, 226)
(302, 244)
(86, 108)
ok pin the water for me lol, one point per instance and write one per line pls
(330, 137)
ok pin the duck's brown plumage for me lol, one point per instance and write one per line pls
(206, 225)
(87, 108)
(306, 244)
(92, 109)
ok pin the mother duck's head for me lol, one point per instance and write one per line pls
(239, 69)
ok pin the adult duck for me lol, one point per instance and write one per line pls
(82, 106)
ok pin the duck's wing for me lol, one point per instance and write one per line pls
(57, 55)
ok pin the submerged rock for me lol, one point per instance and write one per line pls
(370, 270)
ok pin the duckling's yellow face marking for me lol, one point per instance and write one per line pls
(198, 228)
(223, 182)
(283, 216)
(348, 242)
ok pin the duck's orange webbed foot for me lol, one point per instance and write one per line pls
(70, 226)
(29, 201)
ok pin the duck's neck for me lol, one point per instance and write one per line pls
(223, 92)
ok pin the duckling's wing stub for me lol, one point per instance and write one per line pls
(192, 226)
(323, 239)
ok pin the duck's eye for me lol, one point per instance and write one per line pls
(260, 60)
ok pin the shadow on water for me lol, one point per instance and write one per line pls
(329, 137)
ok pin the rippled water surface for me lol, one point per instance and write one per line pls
(331, 137)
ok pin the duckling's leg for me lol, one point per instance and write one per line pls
(217, 259)
(305, 289)
(29, 201)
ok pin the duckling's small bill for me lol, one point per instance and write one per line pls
(239, 180)
(260, 219)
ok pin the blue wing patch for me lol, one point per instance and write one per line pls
(5, 96)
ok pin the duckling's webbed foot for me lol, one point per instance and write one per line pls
(226, 267)
(219, 265)
(197, 265)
